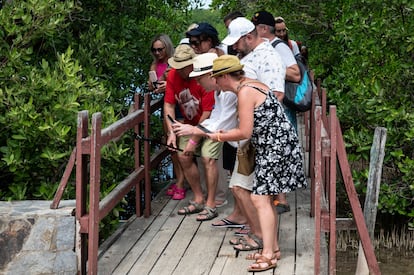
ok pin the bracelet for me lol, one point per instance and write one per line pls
(218, 137)
(192, 142)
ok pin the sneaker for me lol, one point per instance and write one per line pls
(179, 194)
(171, 190)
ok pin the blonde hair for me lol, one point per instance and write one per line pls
(166, 40)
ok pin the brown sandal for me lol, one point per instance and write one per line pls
(262, 260)
(256, 255)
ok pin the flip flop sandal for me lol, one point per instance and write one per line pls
(242, 231)
(228, 223)
(198, 207)
(209, 214)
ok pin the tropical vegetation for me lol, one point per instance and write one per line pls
(60, 57)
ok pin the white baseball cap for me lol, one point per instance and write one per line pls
(203, 64)
(238, 28)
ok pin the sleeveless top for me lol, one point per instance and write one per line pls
(160, 69)
(279, 161)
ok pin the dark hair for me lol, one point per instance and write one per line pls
(237, 74)
(215, 41)
(233, 15)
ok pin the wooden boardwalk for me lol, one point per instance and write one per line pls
(167, 243)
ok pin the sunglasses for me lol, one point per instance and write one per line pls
(157, 49)
(195, 43)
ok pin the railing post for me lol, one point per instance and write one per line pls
(333, 120)
(355, 205)
(94, 186)
(317, 189)
(147, 155)
(81, 190)
(312, 122)
(137, 156)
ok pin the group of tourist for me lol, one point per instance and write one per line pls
(219, 96)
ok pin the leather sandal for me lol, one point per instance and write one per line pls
(256, 255)
(245, 246)
(262, 264)
(207, 214)
(196, 208)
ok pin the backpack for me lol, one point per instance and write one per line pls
(298, 95)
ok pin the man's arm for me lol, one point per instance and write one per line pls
(293, 73)
(169, 110)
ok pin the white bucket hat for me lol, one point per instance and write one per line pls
(238, 28)
(203, 64)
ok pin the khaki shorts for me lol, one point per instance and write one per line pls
(242, 181)
(205, 147)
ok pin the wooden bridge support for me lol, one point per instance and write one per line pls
(328, 148)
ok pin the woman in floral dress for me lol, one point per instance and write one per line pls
(279, 161)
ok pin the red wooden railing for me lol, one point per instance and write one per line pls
(327, 147)
(323, 140)
(88, 164)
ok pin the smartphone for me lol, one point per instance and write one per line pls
(204, 129)
(171, 119)
(153, 78)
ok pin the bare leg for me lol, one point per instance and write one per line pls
(178, 171)
(222, 182)
(281, 198)
(211, 173)
(192, 175)
(268, 223)
(236, 216)
(249, 211)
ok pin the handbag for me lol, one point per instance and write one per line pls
(246, 158)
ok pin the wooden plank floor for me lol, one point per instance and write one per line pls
(167, 243)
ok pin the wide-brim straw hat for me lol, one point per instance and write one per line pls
(203, 64)
(226, 64)
(183, 57)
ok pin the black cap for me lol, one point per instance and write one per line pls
(203, 28)
(263, 17)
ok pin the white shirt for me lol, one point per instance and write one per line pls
(265, 65)
(285, 53)
(224, 113)
(295, 47)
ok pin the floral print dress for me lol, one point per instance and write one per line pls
(279, 161)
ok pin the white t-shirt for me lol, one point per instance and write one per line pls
(285, 53)
(295, 47)
(265, 65)
(224, 113)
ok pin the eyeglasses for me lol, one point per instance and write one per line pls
(157, 49)
(195, 43)
(281, 30)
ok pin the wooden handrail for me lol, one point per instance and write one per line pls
(328, 148)
(90, 210)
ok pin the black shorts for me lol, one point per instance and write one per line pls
(229, 156)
